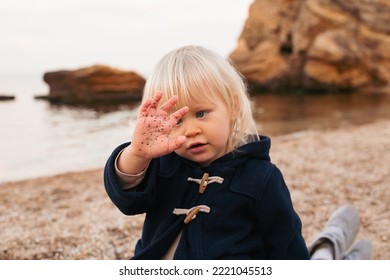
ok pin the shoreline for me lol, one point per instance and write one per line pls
(69, 216)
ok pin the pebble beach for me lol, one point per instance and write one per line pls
(69, 216)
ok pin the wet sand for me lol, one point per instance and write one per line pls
(69, 216)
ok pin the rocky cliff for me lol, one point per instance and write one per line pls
(316, 45)
(94, 84)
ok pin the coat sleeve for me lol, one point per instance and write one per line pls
(280, 225)
(129, 202)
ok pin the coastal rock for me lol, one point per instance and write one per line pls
(97, 83)
(316, 45)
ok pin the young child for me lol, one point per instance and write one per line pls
(199, 171)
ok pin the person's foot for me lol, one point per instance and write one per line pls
(361, 250)
(340, 230)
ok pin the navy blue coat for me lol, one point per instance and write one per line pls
(251, 216)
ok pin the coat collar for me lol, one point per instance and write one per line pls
(170, 163)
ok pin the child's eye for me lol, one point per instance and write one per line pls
(179, 122)
(200, 114)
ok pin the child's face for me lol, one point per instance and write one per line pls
(207, 128)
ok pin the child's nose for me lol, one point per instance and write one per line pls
(191, 131)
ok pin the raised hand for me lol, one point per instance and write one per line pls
(151, 137)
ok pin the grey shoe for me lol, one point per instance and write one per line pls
(361, 250)
(340, 230)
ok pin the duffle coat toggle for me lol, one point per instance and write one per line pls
(205, 181)
(191, 213)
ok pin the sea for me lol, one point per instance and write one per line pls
(42, 139)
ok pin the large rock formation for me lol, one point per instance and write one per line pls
(94, 84)
(316, 45)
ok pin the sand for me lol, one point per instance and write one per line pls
(69, 216)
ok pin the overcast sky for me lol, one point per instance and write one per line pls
(46, 35)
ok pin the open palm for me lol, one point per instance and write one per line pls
(151, 136)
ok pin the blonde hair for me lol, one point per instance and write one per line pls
(194, 74)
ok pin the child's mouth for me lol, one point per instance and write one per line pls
(197, 147)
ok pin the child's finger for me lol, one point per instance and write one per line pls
(176, 143)
(167, 106)
(156, 100)
(145, 106)
(176, 116)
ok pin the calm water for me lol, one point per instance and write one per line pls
(39, 139)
